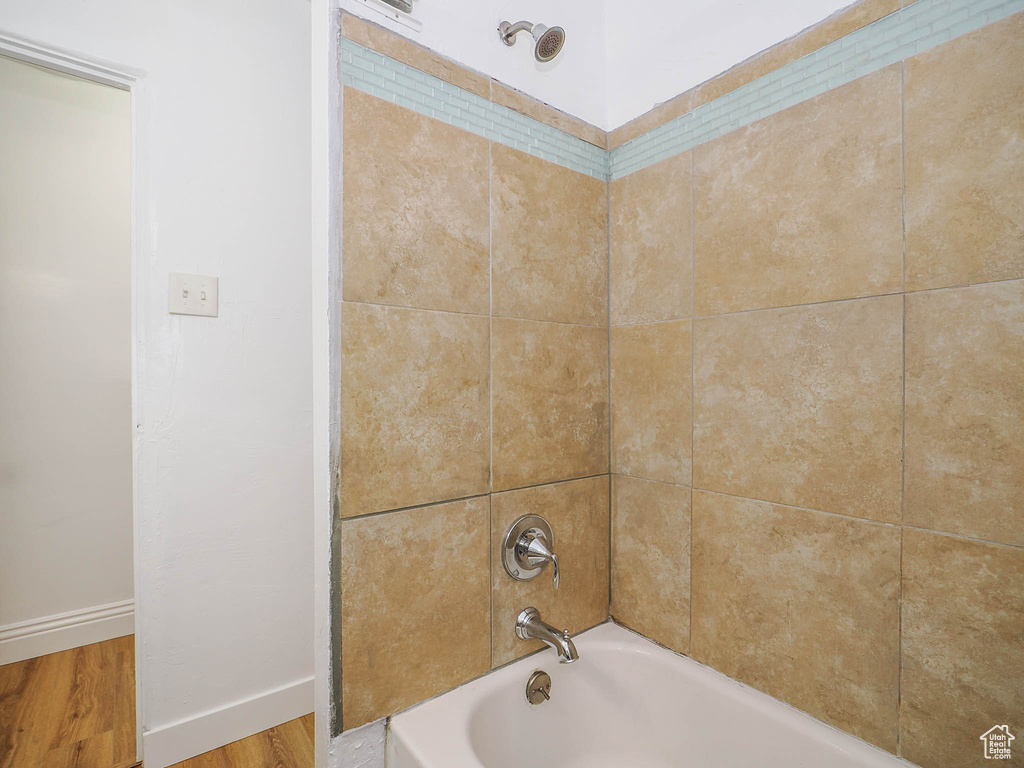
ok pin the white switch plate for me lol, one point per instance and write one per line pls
(193, 295)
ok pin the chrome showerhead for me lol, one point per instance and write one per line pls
(548, 41)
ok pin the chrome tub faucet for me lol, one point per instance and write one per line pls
(531, 626)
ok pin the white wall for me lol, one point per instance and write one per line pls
(621, 58)
(466, 31)
(657, 49)
(222, 186)
(65, 361)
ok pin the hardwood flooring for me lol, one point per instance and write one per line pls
(286, 746)
(76, 709)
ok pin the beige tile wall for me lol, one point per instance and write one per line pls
(550, 241)
(852, 542)
(963, 648)
(802, 605)
(843, 151)
(550, 402)
(965, 221)
(816, 404)
(428, 248)
(474, 390)
(802, 406)
(651, 244)
(415, 623)
(651, 401)
(651, 559)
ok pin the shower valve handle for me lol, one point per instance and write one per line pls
(535, 551)
(528, 548)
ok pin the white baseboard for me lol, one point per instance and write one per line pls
(170, 744)
(50, 634)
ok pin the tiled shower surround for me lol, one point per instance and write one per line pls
(474, 378)
(796, 348)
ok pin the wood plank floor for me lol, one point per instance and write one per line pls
(76, 709)
(286, 746)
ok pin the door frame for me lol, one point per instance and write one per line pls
(125, 79)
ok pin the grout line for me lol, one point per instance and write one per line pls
(947, 534)
(550, 482)
(903, 164)
(826, 302)
(689, 632)
(414, 507)
(550, 322)
(796, 506)
(899, 654)
(611, 542)
(963, 537)
(461, 313)
(669, 648)
(416, 309)
(481, 495)
(611, 415)
(654, 322)
(903, 425)
(786, 306)
(963, 285)
(693, 373)
(651, 480)
(490, 394)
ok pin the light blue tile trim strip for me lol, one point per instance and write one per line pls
(914, 29)
(917, 28)
(389, 79)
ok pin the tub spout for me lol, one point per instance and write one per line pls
(530, 625)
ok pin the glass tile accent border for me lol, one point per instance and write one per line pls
(916, 28)
(400, 84)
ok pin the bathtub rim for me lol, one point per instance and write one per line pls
(612, 632)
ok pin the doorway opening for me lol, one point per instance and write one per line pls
(67, 575)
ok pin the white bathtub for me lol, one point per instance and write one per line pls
(626, 703)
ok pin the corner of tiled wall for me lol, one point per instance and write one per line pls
(813, 391)
(837, 375)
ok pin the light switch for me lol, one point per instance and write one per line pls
(193, 295)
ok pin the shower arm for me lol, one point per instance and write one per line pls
(509, 31)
